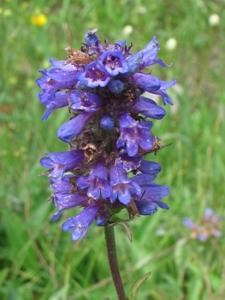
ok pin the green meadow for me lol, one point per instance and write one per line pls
(37, 259)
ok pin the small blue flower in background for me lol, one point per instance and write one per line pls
(108, 133)
(210, 225)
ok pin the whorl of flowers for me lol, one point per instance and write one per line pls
(209, 225)
(108, 132)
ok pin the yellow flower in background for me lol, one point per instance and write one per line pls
(39, 20)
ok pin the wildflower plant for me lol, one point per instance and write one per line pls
(209, 225)
(109, 134)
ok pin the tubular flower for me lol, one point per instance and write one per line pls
(134, 134)
(62, 161)
(104, 170)
(97, 182)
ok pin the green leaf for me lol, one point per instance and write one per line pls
(195, 288)
(21, 250)
(14, 295)
(60, 294)
(137, 285)
(3, 274)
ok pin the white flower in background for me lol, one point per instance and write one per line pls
(214, 20)
(171, 44)
(142, 9)
(127, 30)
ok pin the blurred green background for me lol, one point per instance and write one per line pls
(37, 259)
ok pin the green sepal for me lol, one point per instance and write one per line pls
(137, 285)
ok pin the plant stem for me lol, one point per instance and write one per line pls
(113, 263)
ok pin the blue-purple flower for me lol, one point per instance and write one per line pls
(108, 132)
(134, 134)
(60, 162)
(122, 187)
(88, 102)
(72, 128)
(96, 182)
(114, 62)
(80, 224)
(93, 75)
(154, 85)
(149, 108)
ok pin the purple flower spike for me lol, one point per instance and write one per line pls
(149, 108)
(108, 133)
(68, 131)
(81, 222)
(61, 162)
(114, 62)
(134, 134)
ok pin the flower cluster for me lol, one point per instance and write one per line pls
(108, 133)
(209, 226)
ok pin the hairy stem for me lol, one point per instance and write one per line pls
(113, 263)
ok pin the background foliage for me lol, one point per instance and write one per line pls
(37, 259)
